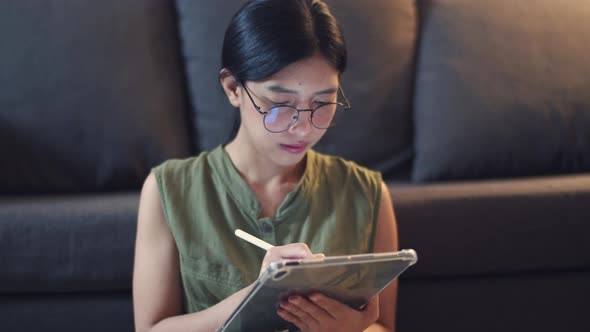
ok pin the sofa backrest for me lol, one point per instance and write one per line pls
(502, 89)
(454, 89)
(94, 95)
(91, 94)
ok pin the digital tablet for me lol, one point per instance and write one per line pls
(352, 280)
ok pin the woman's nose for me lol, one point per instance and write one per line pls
(303, 125)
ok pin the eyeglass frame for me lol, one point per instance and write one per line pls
(345, 105)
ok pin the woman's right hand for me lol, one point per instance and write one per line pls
(289, 251)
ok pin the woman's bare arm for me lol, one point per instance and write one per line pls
(386, 240)
(157, 293)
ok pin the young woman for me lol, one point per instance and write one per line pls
(281, 65)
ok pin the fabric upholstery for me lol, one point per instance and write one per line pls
(67, 243)
(87, 311)
(488, 227)
(516, 302)
(378, 131)
(378, 80)
(495, 227)
(502, 89)
(92, 94)
(202, 26)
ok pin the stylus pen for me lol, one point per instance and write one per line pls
(253, 239)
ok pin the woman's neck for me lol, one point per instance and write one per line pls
(259, 170)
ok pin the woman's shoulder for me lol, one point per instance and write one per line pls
(186, 165)
(177, 169)
(334, 167)
(335, 174)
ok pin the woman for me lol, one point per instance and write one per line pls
(281, 65)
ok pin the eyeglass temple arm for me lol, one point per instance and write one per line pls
(347, 105)
(251, 99)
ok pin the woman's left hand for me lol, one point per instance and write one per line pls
(321, 313)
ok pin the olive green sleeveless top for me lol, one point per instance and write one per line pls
(333, 209)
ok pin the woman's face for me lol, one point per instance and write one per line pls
(304, 85)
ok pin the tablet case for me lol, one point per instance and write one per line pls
(352, 280)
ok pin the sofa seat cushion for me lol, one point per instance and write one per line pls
(495, 226)
(88, 312)
(67, 243)
(541, 302)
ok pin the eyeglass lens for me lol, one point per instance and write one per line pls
(281, 118)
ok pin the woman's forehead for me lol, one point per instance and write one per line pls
(277, 88)
(311, 75)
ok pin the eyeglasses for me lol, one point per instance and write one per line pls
(281, 118)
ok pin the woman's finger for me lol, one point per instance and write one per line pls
(293, 250)
(310, 308)
(332, 307)
(289, 317)
(299, 313)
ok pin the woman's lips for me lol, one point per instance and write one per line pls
(294, 148)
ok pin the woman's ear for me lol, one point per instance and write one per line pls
(230, 86)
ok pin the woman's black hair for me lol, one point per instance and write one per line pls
(265, 36)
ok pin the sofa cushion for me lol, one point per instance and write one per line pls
(495, 227)
(65, 312)
(202, 26)
(540, 302)
(502, 89)
(92, 94)
(67, 243)
(378, 130)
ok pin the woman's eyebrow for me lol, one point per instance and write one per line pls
(280, 89)
(329, 91)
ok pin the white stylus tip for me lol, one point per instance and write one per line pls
(252, 239)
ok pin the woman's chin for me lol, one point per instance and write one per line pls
(289, 158)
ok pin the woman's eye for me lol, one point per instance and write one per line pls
(278, 103)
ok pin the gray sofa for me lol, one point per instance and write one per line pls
(476, 112)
